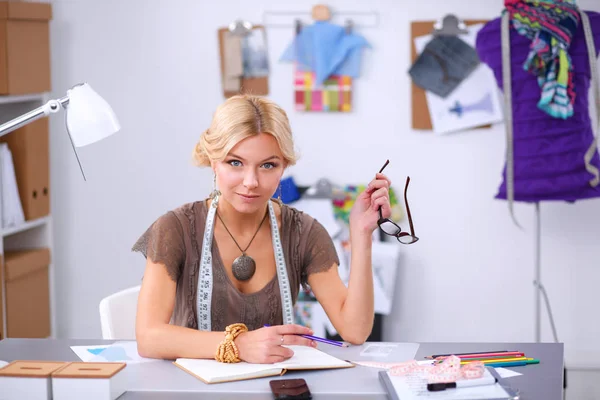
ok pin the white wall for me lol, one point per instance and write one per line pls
(468, 279)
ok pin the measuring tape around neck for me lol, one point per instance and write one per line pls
(205, 275)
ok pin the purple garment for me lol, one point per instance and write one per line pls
(548, 152)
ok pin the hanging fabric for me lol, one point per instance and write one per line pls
(546, 158)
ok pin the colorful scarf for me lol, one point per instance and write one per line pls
(551, 25)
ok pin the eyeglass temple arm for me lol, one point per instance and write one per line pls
(412, 229)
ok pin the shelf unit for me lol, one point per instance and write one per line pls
(32, 233)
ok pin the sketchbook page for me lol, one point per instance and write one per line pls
(212, 371)
(304, 357)
(414, 387)
(310, 358)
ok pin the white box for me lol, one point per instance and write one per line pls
(28, 380)
(89, 381)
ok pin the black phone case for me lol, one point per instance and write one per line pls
(290, 389)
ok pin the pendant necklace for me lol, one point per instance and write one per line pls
(243, 267)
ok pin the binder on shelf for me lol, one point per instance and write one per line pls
(29, 146)
(12, 209)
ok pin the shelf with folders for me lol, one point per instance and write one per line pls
(26, 235)
(23, 98)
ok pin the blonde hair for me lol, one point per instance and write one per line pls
(240, 117)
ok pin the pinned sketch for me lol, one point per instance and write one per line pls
(474, 103)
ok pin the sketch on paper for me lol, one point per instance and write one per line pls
(484, 105)
(121, 351)
(474, 103)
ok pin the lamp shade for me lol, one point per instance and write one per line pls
(89, 117)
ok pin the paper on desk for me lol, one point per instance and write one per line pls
(400, 351)
(122, 351)
(86, 353)
(322, 211)
(506, 373)
(414, 387)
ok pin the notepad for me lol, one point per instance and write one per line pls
(414, 387)
(304, 358)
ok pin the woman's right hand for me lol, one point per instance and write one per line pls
(266, 345)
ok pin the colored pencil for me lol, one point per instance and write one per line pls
(320, 339)
(484, 355)
(472, 353)
(497, 360)
(513, 364)
(520, 355)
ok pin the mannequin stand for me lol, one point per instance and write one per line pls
(540, 290)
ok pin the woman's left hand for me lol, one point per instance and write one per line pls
(365, 211)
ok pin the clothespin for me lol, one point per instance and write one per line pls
(349, 26)
(240, 27)
(449, 26)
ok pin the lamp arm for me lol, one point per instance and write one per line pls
(51, 106)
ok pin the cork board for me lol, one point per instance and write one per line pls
(255, 86)
(420, 111)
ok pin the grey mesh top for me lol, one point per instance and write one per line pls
(175, 240)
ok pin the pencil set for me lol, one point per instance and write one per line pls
(501, 358)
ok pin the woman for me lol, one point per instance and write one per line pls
(235, 261)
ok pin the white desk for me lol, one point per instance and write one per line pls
(163, 380)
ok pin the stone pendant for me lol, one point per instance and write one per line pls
(243, 267)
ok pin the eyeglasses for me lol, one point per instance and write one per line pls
(390, 227)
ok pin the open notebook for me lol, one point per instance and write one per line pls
(304, 358)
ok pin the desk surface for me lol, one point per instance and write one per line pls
(163, 380)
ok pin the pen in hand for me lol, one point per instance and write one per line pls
(320, 339)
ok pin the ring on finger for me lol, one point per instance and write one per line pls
(281, 339)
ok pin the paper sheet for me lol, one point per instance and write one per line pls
(414, 387)
(122, 351)
(474, 103)
(86, 353)
(506, 373)
(400, 351)
(379, 350)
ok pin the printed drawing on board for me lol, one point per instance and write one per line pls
(474, 103)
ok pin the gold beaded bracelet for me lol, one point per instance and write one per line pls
(227, 351)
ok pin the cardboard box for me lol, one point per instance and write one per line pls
(28, 379)
(89, 381)
(24, 47)
(27, 293)
(29, 146)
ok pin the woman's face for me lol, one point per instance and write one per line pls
(250, 174)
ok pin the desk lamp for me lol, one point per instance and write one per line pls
(89, 118)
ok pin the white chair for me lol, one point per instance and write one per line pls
(117, 314)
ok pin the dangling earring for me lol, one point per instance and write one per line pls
(215, 191)
(279, 195)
